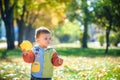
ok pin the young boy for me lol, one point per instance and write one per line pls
(44, 57)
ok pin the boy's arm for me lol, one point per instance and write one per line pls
(56, 61)
(28, 56)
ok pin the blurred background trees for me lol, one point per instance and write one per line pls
(28, 14)
(108, 15)
(7, 14)
(70, 20)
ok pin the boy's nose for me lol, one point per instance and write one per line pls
(48, 41)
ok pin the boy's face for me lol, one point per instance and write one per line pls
(44, 39)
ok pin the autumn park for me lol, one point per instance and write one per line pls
(85, 34)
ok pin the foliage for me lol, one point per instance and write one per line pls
(69, 32)
(64, 38)
(114, 38)
(100, 9)
(81, 11)
(101, 39)
(106, 11)
(108, 16)
(41, 13)
(14, 71)
(83, 68)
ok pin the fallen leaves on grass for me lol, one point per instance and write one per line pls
(73, 68)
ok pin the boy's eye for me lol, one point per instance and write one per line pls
(47, 38)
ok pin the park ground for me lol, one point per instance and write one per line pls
(79, 64)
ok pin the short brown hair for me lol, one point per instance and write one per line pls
(40, 30)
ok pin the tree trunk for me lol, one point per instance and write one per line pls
(86, 13)
(10, 35)
(107, 37)
(30, 33)
(7, 16)
(21, 25)
(84, 41)
(9, 29)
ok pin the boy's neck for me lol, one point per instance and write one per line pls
(42, 46)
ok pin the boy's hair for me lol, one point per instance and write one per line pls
(41, 30)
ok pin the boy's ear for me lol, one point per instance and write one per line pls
(37, 39)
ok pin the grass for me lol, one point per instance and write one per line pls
(86, 68)
(79, 64)
(87, 52)
(90, 52)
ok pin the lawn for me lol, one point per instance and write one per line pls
(79, 64)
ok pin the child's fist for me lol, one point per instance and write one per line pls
(28, 56)
(60, 61)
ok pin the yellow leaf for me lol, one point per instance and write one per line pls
(26, 45)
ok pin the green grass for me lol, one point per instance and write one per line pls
(14, 52)
(87, 52)
(70, 52)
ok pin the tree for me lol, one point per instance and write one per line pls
(24, 17)
(7, 7)
(31, 13)
(107, 12)
(85, 23)
(79, 10)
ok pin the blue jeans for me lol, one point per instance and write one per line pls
(34, 78)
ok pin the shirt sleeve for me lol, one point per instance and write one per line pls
(56, 61)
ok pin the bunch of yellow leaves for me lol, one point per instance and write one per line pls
(26, 45)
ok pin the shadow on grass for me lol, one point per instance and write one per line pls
(15, 52)
(87, 52)
(69, 52)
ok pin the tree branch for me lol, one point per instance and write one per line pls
(6, 3)
(1, 9)
(15, 2)
(23, 10)
(34, 18)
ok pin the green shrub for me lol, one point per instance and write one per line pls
(101, 39)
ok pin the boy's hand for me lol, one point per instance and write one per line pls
(60, 61)
(28, 56)
(56, 61)
(24, 52)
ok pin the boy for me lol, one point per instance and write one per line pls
(44, 58)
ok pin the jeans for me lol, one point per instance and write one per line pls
(34, 78)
